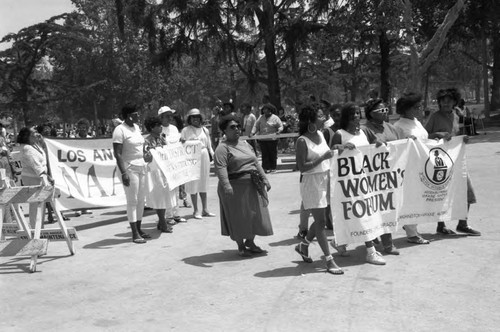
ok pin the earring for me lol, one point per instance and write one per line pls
(309, 128)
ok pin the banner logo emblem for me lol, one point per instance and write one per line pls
(438, 169)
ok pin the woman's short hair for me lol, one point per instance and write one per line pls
(451, 92)
(347, 113)
(307, 115)
(226, 119)
(151, 122)
(370, 106)
(127, 109)
(24, 135)
(84, 122)
(407, 101)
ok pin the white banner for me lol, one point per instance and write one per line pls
(435, 182)
(367, 186)
(85, 172)
(179, 162)
(407, 181)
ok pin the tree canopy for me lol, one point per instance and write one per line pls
(191, 53)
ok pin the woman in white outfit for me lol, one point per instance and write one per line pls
(312, 155)
(409, 107)
(349, 136)
(196, 131)
(128, 150)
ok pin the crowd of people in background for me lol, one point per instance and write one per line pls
(321, 127)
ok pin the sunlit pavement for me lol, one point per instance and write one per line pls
(193, 279)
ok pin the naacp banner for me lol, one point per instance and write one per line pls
(367, 190)
(435, 182)
(86, 174)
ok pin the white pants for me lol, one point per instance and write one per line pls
(135, 192)
(174, 211)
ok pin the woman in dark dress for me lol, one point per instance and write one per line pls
(242, 190)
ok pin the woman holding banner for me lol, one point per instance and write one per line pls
(409, 107)
(443, 124)
(156, 183)
(313, 160)
(196, 131)
(349, 136)
(33, 158)
(128, 146)
(242, 190)
(378, 130)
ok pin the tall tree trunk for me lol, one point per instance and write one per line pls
(495, 88)
(385, 64)
(486, 84)
(267, 26)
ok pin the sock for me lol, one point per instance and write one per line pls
(370, 250)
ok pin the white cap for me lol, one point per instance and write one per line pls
(165, 109)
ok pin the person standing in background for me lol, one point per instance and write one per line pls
(249, 120)
(267, 124)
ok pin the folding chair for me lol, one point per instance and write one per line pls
(477, 114)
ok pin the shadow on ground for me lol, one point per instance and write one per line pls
(209, 259)
(293, 271)
(22, 264)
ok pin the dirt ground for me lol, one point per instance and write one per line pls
(193, 279)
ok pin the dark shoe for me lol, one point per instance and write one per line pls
(164, 227)
(179, 219)
(342, 249)
(50, 219)
(417, 240)
(468, 230)
(445, 231)
(244, 253)
(208, 214)
(171, 221)
(253, 248)
(139, 230)
(391, 250)
(136, 238)
(299, 248)
(302, 234)
(267, 171)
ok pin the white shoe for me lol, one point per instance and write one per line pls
(375, 258)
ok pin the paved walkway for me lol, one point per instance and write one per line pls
(193, 280)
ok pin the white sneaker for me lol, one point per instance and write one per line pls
(375, 258)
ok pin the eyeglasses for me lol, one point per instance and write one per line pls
(234, 127)
(381, 110)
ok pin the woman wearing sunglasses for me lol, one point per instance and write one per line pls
(378, 130)
(242, 190)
